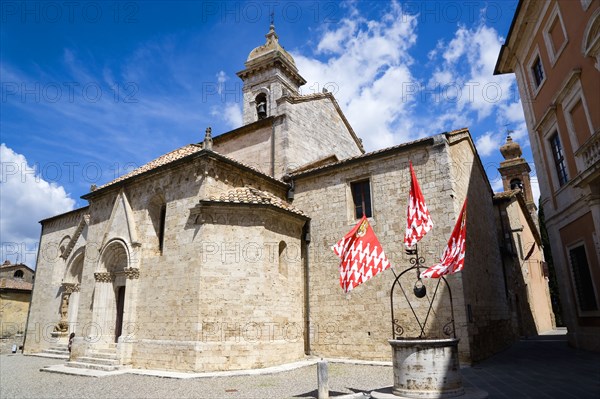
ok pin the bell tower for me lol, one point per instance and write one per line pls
(270, 73)
(515, 173)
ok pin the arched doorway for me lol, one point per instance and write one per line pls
(109, 294)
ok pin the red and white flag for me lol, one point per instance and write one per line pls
(361, 254)
(453, 259)
(418, 219)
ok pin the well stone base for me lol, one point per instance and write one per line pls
(427, 368)
(469, 393)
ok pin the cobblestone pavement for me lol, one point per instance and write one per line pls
(543, 367)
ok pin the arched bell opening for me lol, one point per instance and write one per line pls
(261, 106)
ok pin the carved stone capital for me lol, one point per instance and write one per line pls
(132, 272)
(104, 277)
(69, 288)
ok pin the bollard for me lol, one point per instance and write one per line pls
(322, 380)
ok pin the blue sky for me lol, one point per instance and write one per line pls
(93, 89)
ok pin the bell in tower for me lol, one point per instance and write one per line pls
(270, 74)
(261, 106)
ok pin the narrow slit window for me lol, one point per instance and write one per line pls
(161, 227)
(361, 196)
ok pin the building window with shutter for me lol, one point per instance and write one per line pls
(582, 279)
(361, 196)
(559, 159)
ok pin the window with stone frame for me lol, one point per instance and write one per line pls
(559, 159)
(18, 274)
(361, 197)
(582, 279)
(537, 72)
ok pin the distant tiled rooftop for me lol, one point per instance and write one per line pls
(251, 195)
(15, 284)
(506, 194)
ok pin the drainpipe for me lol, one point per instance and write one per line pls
(306, 242)
(273, 148)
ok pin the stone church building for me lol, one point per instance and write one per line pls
(217, 255)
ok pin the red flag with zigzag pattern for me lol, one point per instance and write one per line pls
(361, 254)
(418, 219)
(453, 259)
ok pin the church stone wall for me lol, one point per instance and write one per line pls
(50, 269)
(485, 304)
(226, 292)
(312, 129)
(251, 293)
(252, 147)
(358, 324)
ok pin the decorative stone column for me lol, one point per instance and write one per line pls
(62, 327)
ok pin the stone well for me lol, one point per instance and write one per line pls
(427, 368)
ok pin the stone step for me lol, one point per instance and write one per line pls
(98, 360)
(56, 351)
(92, 366)
(103, 355)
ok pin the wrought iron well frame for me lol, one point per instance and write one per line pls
(417, 264)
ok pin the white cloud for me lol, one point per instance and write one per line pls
(26, 199)
(230, 113)
(365, 63)
(488, 142)
(469, 57)
(221, 79)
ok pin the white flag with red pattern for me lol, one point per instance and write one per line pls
(361, 254)
(418, 219)
(453, 259)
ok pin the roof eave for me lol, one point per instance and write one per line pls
(199, 154)
(208, 203)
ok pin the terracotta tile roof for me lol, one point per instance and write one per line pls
(506, 194)
(251, 195)
(174, 156)
(361, 156)
(160, 161)
(15, 284)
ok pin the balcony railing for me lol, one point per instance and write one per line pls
(589, 152)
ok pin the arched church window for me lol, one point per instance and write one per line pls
(18, 274)
(157, 210)
(261, 105)
(161, 228)
(282, 258)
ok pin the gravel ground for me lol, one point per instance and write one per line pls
(20, 378)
